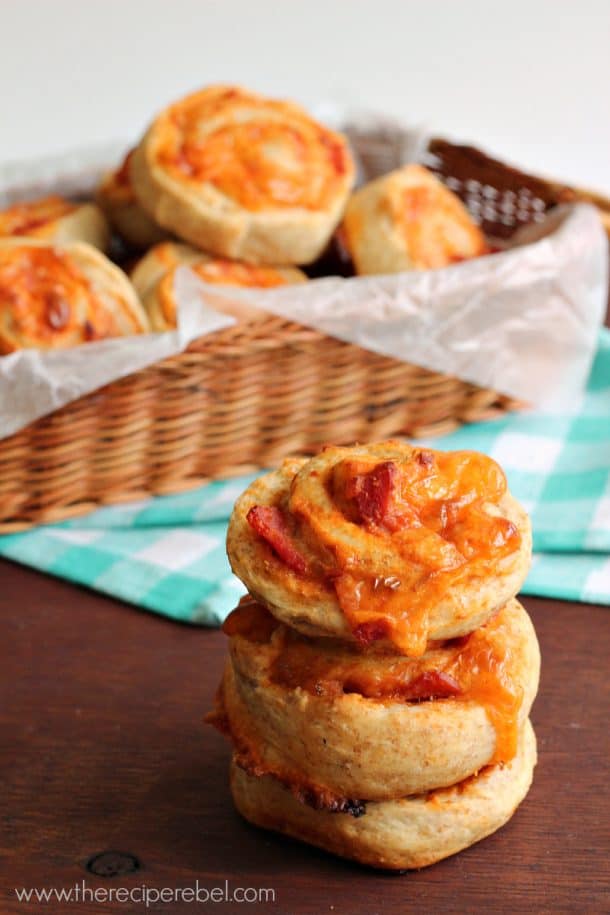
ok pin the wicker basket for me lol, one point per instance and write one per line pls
(249, 395)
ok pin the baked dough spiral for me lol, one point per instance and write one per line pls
(56, 220)
(54, 297)
(116, 197)
(408, 220)
(339, 725)
(244, 177)
(398, 834)
(154, 275)
(382, 542)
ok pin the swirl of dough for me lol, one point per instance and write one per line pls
(55, 297)
(383, 541)
(56, 221)
(243, 176)
(159, 260)
(154, 275)
(340, 725)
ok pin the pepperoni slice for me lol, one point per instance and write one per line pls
(433, 684)
(270, 523)
(372, 492)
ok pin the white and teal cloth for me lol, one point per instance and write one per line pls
(168, 555)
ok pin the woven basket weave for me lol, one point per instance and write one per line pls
(249, 395)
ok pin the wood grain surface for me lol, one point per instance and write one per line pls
(103, 749)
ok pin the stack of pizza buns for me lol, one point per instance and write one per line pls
(381, 671)
(242, 189)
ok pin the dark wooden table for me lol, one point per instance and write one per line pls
(104, 750)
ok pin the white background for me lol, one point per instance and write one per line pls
(529, 81)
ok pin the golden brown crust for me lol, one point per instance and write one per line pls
(329, 740)
(55, 220)
(116, 197)
(408, 220)
(243, 177)
(398, 834)
(437, 606)
(153, 278)
(59, 296)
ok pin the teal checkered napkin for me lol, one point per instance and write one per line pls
(167, 554)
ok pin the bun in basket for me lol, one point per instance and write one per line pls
(153, 278)
(244, 177)
(54, 297)
(408, 220)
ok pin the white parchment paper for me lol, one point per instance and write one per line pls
(523, 321)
